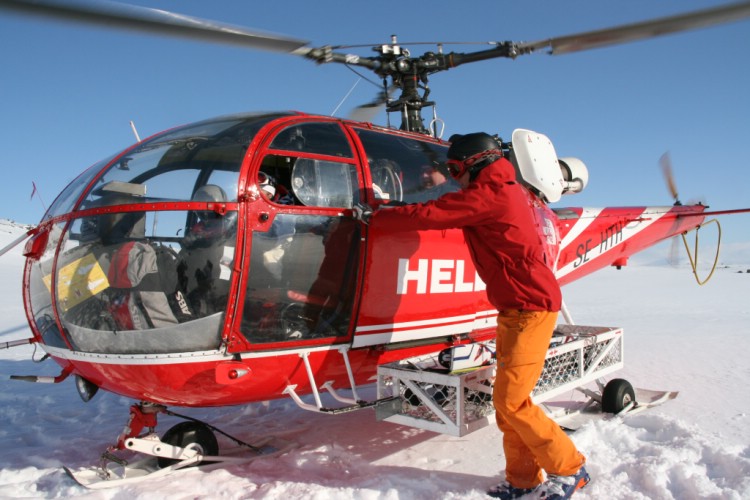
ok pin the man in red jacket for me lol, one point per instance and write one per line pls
(495, 214)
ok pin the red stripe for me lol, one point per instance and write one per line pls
(415, 327)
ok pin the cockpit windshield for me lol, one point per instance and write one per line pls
(168, 167)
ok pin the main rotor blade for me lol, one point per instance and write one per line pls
(160, 22)
(639, 31)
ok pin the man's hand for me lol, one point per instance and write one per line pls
(362, 213)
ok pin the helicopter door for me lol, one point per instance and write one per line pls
(420, 285)
(304, 261)
(302, 281)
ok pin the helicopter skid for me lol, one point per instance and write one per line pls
(572, 417)
(119, 474)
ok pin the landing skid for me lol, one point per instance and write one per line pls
(573, 415)
(122, 473)
(190, 443)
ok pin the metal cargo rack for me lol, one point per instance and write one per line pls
(425, 395)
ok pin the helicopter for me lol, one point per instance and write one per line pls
(220, 262)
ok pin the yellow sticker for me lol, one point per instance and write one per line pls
(81, 279)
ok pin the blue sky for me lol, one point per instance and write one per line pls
(69, 91)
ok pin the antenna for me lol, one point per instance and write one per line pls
(333, 113)
(135, 132)
(35, 191)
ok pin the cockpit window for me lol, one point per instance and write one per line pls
(288, 180)
(169, 166)
(303, 279)
(319, 138)
(68, 198)
(288, 177)
(141, 282)
(406, 169)
(322, 183)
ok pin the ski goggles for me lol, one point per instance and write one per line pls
(267, 184)
(457, 168)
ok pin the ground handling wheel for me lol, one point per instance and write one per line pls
(187, 433)
(617, 394)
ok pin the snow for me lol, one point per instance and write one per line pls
(678, 336)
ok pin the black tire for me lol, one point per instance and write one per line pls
(186, 433)
(439, 394)
(617, 394)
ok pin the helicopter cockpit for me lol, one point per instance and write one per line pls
(144, 265)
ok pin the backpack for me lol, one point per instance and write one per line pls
(144, 289)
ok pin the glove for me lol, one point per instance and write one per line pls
(362, 213)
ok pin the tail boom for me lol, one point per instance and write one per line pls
(593, 238)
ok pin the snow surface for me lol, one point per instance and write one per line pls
(678, 336)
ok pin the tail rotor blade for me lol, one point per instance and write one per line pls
(665, 162)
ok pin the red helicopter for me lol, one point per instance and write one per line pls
(220, 262)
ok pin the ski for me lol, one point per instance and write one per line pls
(120, 472)
(572, 416)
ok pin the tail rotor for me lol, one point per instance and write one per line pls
(665, 162)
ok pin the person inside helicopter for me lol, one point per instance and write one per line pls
(433, 183)
(282, 229)
(274, 191)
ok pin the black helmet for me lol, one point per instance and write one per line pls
(477, 150)
(466, 146)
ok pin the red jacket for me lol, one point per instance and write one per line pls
(496, 217)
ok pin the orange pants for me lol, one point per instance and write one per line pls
(531, 440)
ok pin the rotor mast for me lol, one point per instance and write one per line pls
(409, 74)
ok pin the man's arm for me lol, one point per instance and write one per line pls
(452, 210)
